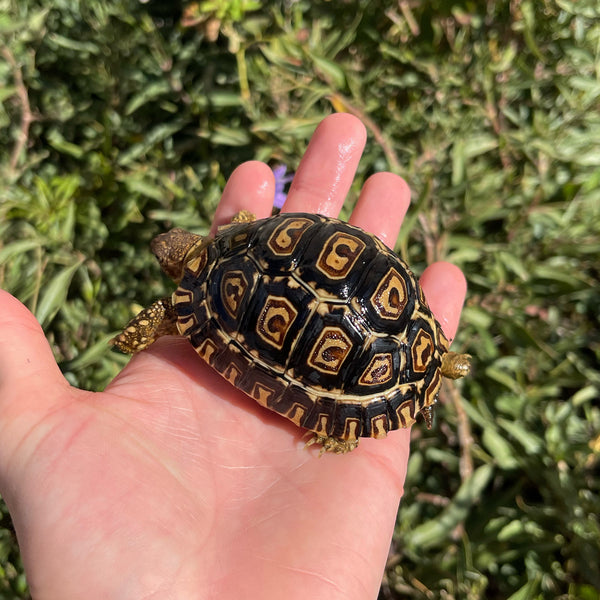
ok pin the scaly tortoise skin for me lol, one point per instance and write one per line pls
(315, 319)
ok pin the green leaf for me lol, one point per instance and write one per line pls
(152, 138)
(76, 45)
(503, 377)
(18, 247)
(514, 264)
(54, 294)
(91, 356)
(527, 592)
(7, 92)
(333, 72)
(511, 530)
(437, 531)
(228, 136)
(150, 93)
(499, 448)
(530, 442)
(58, 142)
(458, 162)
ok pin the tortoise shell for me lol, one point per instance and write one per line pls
(316, 320)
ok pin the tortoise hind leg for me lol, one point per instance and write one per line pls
(455, 365)
(143, 330)
(332, 444)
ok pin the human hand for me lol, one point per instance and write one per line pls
(173, 484)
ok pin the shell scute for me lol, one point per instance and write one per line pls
(275, 319)
(336, 260)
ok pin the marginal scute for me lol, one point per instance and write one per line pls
(406, 413)
(379, 426)
(296, 413)
(322, 427)
(232, 373)
(351, 429)
(207, 351)
(187, 322)
(197, 264)
(262, 393)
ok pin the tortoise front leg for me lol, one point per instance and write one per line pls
(143, 330)
(243, 216)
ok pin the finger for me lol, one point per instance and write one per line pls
(26, 359)
(381, 206)
(251, 187)
(327, 169)
(445, 288)
(31, 383)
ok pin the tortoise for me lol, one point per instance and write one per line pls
(315, 319)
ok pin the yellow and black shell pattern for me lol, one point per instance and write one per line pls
(316, 320)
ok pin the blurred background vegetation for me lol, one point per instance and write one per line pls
(119, 119)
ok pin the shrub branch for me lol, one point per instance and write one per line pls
(26, 114)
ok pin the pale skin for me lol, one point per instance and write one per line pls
(172, 484)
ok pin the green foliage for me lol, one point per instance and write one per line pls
(119, 119)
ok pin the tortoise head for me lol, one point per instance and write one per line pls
(172, 249)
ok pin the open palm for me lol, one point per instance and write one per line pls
(171, 483)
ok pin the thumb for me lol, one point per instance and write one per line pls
(26, 359)
(30, 380)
